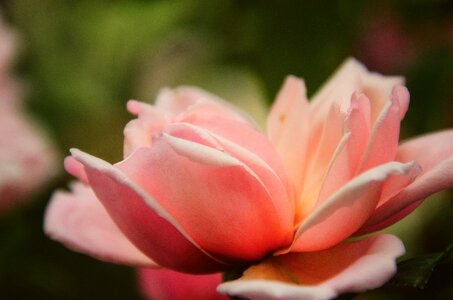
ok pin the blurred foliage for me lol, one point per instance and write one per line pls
(416, 271)
(81, 60)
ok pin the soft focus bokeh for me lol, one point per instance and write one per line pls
(79, 61)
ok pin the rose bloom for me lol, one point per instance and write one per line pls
(27, 159)
(202, 190)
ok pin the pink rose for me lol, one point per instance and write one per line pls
(27, 159)
(201, 190)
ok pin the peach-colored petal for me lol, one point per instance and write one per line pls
(395, 184)
(338, 89)
(378, 88)
(352, 76)
(358, 123)
(287, 126)
(218, 200)
(313, 143)
(434, 153)
(142, 220)
(319, 156)
(348, 267)
(165, 284)
(78, 220)
(346, 210)
(428, 150)
(344, 163)
(286, 111)
(385, 134)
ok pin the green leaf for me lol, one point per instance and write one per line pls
(416, 272)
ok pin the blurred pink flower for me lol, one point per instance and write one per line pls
(27, 160)
(385, 45)
(201, 190)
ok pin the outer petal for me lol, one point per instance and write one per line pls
(346, 210)
(287, 126)
(143, 220)
(434, 152)
(348, 267)
(78, 220)
(218, 200)
(165, 284)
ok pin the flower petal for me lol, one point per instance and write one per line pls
(384, 137)
(358, 123)
(287, 126)
(187, 99)
(348, 267)
(75, 168)
(165, 284)
(78, 220)
(274, 181)
(344, 163)
(322, 146)
(434, 153)
(218, 200)
(181, 104)
(142, 219)
(352, 76)
(138, 132)
(242, 134)
(178, 100)
(346, 210)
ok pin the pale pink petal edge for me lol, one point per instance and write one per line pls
(370, 271)
(79, 221)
